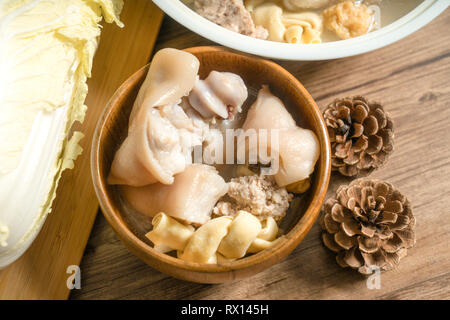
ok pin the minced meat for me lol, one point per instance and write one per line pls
(259, 195)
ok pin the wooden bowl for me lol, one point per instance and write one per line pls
(131, 227)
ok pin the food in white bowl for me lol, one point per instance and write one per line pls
(211, 199)
(364, 25)
(302, 21)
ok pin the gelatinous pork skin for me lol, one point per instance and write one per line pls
(190, 198)
(221, 94)
(298, 148)
(142, 157)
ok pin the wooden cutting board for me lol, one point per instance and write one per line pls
(42, 272)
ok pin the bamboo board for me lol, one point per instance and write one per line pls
(41, 273)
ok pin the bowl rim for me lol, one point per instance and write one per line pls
(279, 250)
(406, 25)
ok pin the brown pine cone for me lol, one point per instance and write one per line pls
(368, 223)
(361, 135)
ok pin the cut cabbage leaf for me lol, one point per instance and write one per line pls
(46, 53)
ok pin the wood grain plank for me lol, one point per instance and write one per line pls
(429, 289)
(411, 78)
(41, 272)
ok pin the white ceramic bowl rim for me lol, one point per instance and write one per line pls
(411, 22)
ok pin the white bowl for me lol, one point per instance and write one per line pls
(411, 22)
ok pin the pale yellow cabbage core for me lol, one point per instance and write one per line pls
(44, 44)
(46, 53)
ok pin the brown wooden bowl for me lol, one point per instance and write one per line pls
(131, 227)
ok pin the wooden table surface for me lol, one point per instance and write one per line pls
(412, 79)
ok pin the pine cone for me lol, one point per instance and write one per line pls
(369, 223)
(361, 135)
